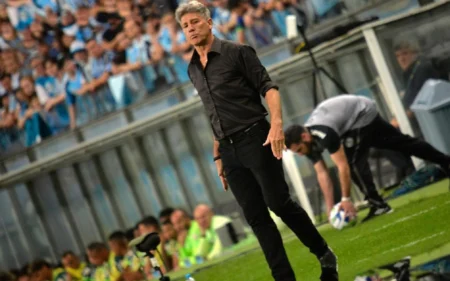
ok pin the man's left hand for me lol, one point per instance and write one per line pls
(276, 139)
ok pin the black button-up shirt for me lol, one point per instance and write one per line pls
(231, 86)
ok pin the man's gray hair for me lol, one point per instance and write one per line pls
(408, 42)
(192, 7)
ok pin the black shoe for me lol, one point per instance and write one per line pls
(400, 269)
(328, 264)
(446, 170)
(378, 211)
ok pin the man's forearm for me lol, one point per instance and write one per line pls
(345, 180)
(274, 103)
(327, 189)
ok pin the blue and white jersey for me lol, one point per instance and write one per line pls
(98, 66)
(139, 50)
(179, 65)
(72, 85)
(21, 17)
(44, 4)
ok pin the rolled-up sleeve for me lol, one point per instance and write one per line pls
(254, 71)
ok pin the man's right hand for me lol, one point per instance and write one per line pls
(348, 208)
(221, 174)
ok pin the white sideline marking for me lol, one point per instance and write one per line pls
(397, 221)
(407, 245)
(414, 242)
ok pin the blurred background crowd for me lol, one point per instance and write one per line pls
(64, 63)
(185, 241)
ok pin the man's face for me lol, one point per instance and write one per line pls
(27, 86)
(80, 56)
(131, 29)
(405, 57)
(147, 229)
(6, 83)
(69, 66)
(7, 31)
(98, 257)
(51, 69)
(179, 221)
(42, 275)
(203, 217)
(168, 231)
(24, 278)
(117, 247)
(38, 66)
(82, 16)
(304, 147)
(71, 261)
(196, 28)
(240, 10)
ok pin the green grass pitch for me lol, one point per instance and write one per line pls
(419, 227)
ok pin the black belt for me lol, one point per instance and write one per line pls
(239, 135)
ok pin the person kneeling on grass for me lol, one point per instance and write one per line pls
(348, 126)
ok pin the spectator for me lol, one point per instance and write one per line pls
(8, 84)
(137, 49)
(126, 10)
(150, 225)
(131, 234)
(52, 97)
(239, 10)
(416, 71)
(165, 214)
(189, 246)
(174, 43)
(4, 11)
(23, 274)
(38, 71)
(210, 245)
(115, 23)
(73, 266)
(100, 67)
(40, 270)
(28, 113)
(84, 28)
(100, 257)
(81, 57)
(101, 38)
(169, 235)
(73, 87)
(9, 37)
(126, 262)
(221, 19)
(7, 119)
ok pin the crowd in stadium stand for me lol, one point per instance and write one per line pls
(64, 63)
(184, 242)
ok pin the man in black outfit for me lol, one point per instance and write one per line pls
(348, 126)
(230, 79)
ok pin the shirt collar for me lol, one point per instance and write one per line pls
(216, 47)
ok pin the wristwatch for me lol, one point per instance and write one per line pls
(346, 199)
(216, 158)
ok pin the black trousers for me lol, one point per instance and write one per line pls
(256, 179)
(381, 134)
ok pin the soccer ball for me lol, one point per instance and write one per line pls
(338, 219)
